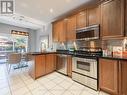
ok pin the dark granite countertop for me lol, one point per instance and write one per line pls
(41, 53)
(67, 53)
(114, 58)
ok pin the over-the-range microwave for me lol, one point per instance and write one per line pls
(88, 33)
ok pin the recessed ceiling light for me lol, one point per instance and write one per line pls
(51, 10)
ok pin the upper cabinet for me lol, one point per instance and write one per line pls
(71, 28)
(90, 16)
(93, 15)
(62, 30)
(55, 32)
(112, 18)
(59, 31)
(81, 18)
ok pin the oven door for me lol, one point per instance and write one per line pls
(85, 66)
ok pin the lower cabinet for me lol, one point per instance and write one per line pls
(69, 66)
(108, 76)
(50, 63)
(123, 77)
(39, 65)
(113, 76)
(42, 65)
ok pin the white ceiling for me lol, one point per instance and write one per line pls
(39, 10)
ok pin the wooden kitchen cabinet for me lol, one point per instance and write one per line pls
(55, 31)
(42, 65)
(112, 18)
(126, 17)
(81, 19)
(62, 30)
(71, 28)
(123, 77)
(109, 76)
(50, 63)
(93, 15)
(69, 66)
(39, 65)
(59, 31)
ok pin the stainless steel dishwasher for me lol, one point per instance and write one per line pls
(61, 65)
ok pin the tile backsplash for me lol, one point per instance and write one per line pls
(105, 45)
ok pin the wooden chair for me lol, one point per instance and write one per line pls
(13, 58)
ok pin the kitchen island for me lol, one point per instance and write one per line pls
(41, 63)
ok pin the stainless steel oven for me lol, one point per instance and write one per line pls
(85, 71)
(85, 66)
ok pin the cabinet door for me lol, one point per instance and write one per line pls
(108, 76)
(126, 16)
(112, 18)
(62, 30)
(40, 65)
(71, 28)
(81, 20)
(55, 29)
(123, 70)
(50, 63)
(93, 15)
(69, 66)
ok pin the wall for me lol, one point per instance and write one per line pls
(4, 28)
(46, 30)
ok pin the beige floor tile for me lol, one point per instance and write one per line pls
(17, 86)
(28, 93)
(33, 85)
(57, 87)
(20, 91)
(67, 93)
(53, 84)
(38, 91)
(51, 76)
(65, 84)
(91, 91)
(58, 80)
(48, 93)
(57, 92)
(30, 81)
(43, 80)
(86, 93)
(76, 92)
(50, 85)
(76, 86)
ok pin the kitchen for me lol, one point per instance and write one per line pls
(96, 27)
(89, 48)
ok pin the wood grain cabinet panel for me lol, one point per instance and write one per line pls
(50, 63)
(59, 31)
(93, 15)
(69, 66)
(123, 77)
(55, 32)
(62, 30)
(112, 18)
(81, 18)
(71, 28)
(39, 65)
(126, 17)
(108, 76)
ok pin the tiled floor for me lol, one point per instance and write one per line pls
(18, 82)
